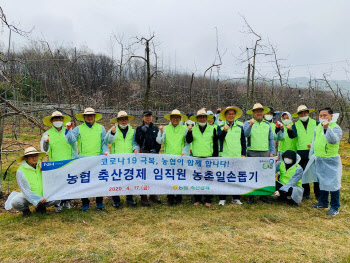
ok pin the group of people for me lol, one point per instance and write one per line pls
(307, 151)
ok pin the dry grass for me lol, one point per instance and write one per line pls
(248, 233)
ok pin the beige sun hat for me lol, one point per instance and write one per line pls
(256, 107)
(238, 111)
(47, 119)
(122, 114)
(29, 151)
(80, 116)
(177, 113)
(302, 108)
(201, 112)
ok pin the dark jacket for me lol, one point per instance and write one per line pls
(146, 138)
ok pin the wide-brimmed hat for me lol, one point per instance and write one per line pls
(209, 112)
(29, 151)
(238, 111)
(122, 114)
(177, 113)
(256, 107)
(47, 119)
(87, 111)
(302, 108)
(201, 112)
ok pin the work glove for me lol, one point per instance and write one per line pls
(69, 125)
(46, 138)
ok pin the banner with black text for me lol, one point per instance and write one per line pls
(141, 174)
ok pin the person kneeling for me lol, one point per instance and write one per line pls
(288, 184)
(29, 179)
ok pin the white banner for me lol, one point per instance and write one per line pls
(135, 174)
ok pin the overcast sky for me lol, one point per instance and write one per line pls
(305, 32)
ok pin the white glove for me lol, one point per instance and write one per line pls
(46, 138)
(277, 193)
(69, 125)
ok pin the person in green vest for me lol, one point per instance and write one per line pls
(289, 174)
(90, 137)
(53, 142)
(303, 131)
(232, 142)
(122, 140)
(189, 123)
(260, 138)
(173, 136)
(326, 161)
(30, 182)
(269, 118)
(284, 142)
(212, 121)
(204, 141)
(218, 121)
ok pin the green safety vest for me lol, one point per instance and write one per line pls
(321, 147)
(287, 143)
(286, 175)
(304, 137)
(89, 139)
(232, 144)
(273, 127)
(121, 144)
(259, 136)
(59, 149)
(174, 139)
(237, 122)
(34, 178)
(202, 145)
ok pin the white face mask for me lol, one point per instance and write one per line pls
(322, 120)
(286, 122)
(122, 126)
(288, 161)
(304, 119)
(268, 117)
(58, 124)
(202, 124)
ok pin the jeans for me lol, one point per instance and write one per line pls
(335, 199)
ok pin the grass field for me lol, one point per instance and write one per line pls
(247, 233)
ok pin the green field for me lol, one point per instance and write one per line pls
(247, 233)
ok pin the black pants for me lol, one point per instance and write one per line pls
(223, 197)
(283, 194)
(116, 199)
(303, 162)
(316, 190)
(87, 201)
(174, 198)
(207, 198)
